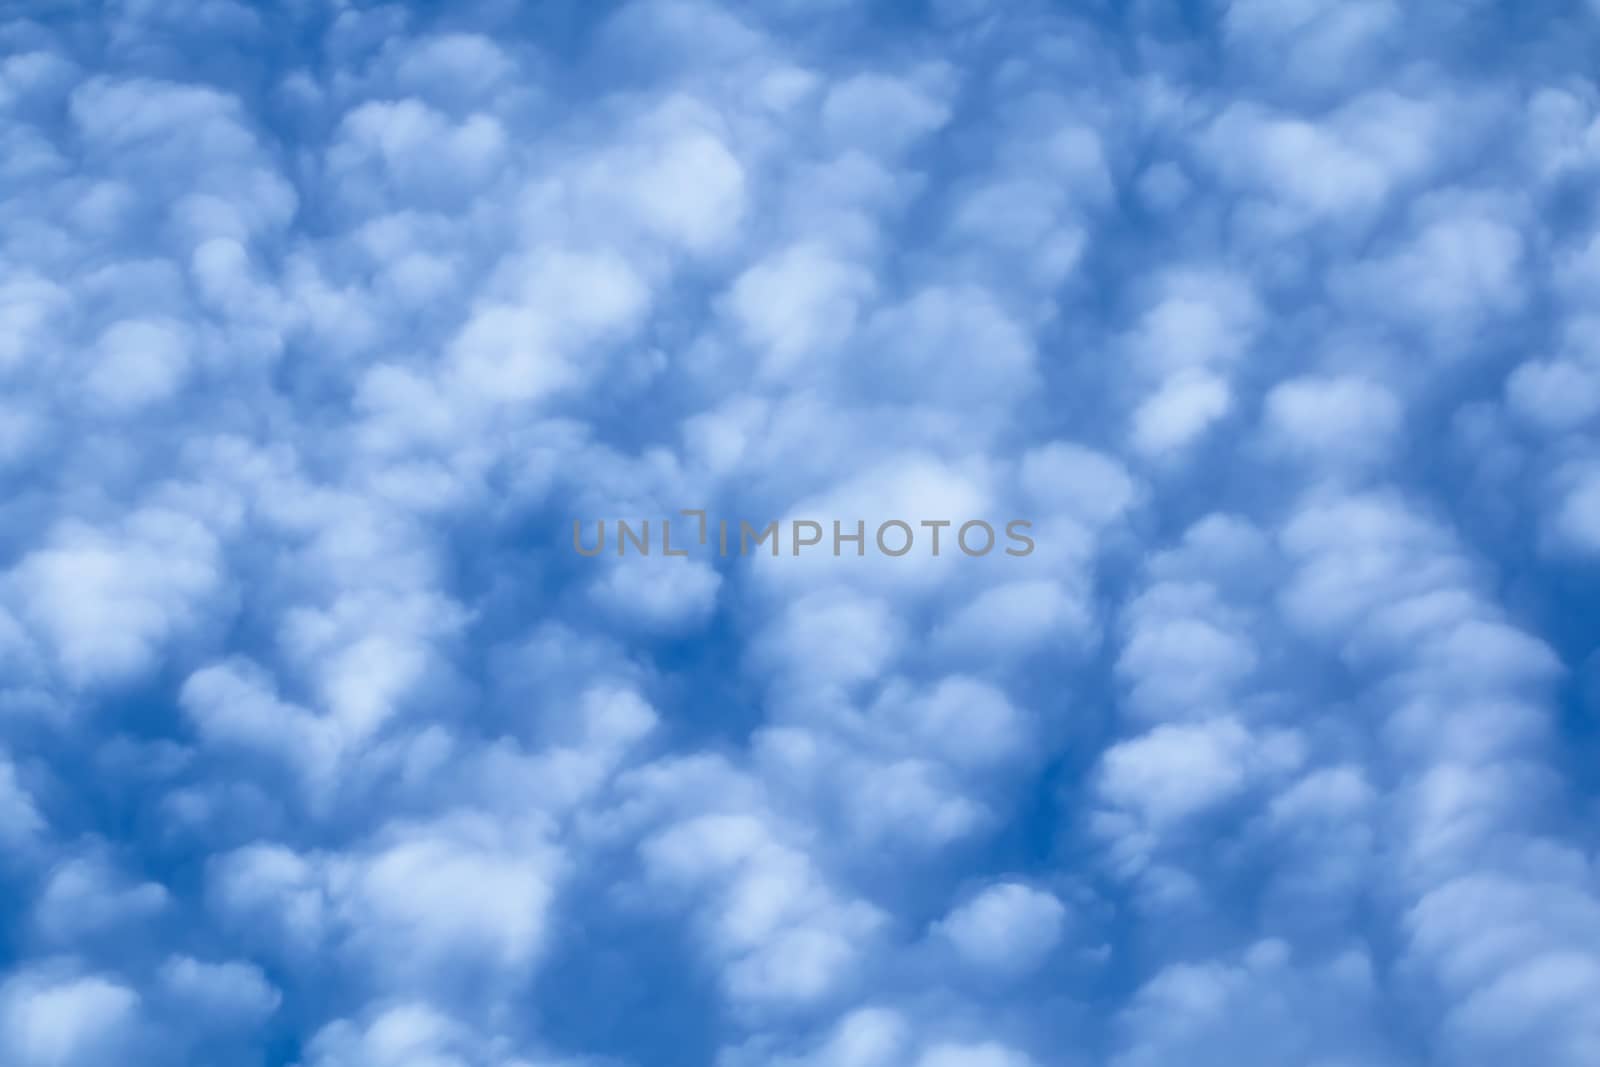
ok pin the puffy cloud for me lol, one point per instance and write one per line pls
(1311, 42)
(1014, 619)
(1069, 478)
(1261, 1009)
(1007, 928)
(1525, 975)
(947, 346)
(1338, 421)
(780, 933)
(20, 820)
(1559, 394)
(1577, 517)
(1457, 267)
(986, 1054)
(832, 636)
(872, 111)
(1198, 323)
(464, 65)
(1176, 771)
(877, 1037)
(416, 150)
(797, 305)
(636, 592)
(57, 1018)
(1179, 412)
(229, 993)
(461, 895)
(455, 889)
(85, 895)
(674, 178)
(1185, 650)
(231, 704)
(139, 363)
(407, 1034)
(106, 602)
(526, 347)
(965, 721)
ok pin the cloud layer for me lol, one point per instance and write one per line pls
(320, 323)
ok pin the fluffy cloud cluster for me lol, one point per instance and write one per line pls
(320, 323)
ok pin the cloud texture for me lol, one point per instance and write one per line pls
(321, 322)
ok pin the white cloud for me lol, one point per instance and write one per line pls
(797, 307)
(637, 592)
(1577, 518)
(107, 602)
(781, 935)
(986, 1054)
(462, 894)
(674, 176)
(1265, 1008)
(459, 64)
(406, 1034)
(529, 346)
(947, 346)
(1555, 394)
(65, 1020)
(1459, 266)
(27, 305)
(228, 994)
(458, 890)
(417, 149)
(1012, 620)
(1069, 478)
(1333, 420)
(831, 636)
(1522, 955)
(138, 363)
(1195, 319)
(963, 721)
(231, 704)
(1185, 651)
(20, 820)
(85, 895)
(1180, 411)
(1009, 928)
(878, 113)
(1176, 771)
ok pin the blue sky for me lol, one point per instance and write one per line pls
(321, 322)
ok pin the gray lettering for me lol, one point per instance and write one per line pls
(904, 548)
(746, 531)
(961, 536)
